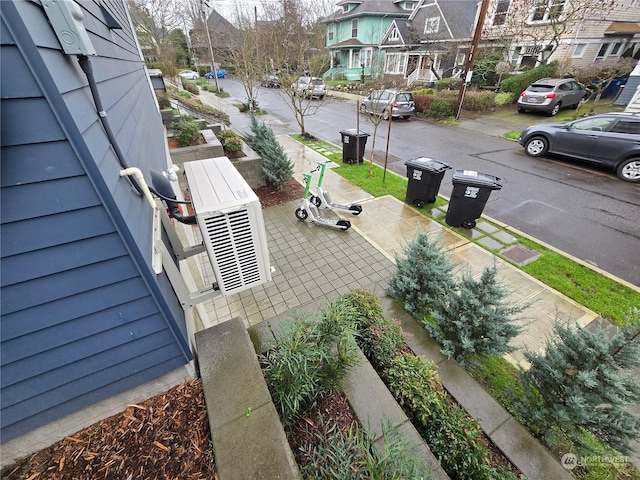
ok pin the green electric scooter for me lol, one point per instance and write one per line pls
(322, 197)
(309, 210)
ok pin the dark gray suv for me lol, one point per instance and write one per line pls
(610, 139)
(549, 95)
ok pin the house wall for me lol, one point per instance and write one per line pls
(83, 316)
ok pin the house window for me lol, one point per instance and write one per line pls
(395, 63)
(354, 28)
(394, 34)
(345, 8)
(330, 29)
(579, 49)
(431, 25)
(409, 5)
(460, 59)
(547, 10)
(615, 50)
(365, 57)
(603, 51)
(502, 8)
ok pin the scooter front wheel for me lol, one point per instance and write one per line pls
(301, 213)
(315, 200)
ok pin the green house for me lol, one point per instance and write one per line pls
(354, 33)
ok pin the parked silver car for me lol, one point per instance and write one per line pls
(611, 140)
(310, 87)
(189, 74)
(549, 95)
(395, 103)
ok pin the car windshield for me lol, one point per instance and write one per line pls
(317, 81)
(404, 97)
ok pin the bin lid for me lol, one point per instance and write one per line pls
(427, 164)
(354, 132)
(477, 179)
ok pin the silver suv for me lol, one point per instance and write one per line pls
(310, 87)
(396, 103)
(549, 95)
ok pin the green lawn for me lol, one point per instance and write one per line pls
(586, 286)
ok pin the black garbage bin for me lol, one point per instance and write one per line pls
(350, 153)
(471, 191)
(425, 176)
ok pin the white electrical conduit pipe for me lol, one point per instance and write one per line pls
(137, 173)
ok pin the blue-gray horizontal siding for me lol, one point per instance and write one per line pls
(82, 315)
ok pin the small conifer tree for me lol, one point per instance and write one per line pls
(583, 381)
(276, 166)
(423, 274)
(474, 319)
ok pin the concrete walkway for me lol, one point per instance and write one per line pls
(315, 264)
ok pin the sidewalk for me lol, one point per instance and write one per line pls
(315, 265)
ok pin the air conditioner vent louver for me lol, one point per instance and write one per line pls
(229, 215)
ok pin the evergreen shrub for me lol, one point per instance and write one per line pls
(276, 166)
(187, 130)
(518, 83)
(478, 101)
(190, 86)
(474, 318)
(423, 275)
(230, 140)
(584, 381)
(441, 108)
(449, 83)
(505, 98)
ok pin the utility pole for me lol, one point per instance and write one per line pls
(206, 27)
(468, 69)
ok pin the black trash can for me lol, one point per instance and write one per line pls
(471, 191)
(425, 176)
(350, 142)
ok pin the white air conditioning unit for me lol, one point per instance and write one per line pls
(229, 215)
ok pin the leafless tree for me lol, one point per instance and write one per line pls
(597, 76)
(154, 21)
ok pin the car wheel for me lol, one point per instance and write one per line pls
(521, 110)
(536, 146)
(321, 97)
(385, 114)
(554, 111)
(406, 117)
(363, 109)
(629, 170)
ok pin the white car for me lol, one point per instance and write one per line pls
(189, 74)
(310, 87)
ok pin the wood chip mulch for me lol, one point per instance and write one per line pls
(166, 437)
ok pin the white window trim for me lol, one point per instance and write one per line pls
(505, 14)
(395, 63)
(354, 22)
(545, 17)
(394, 34)
(579, 54)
